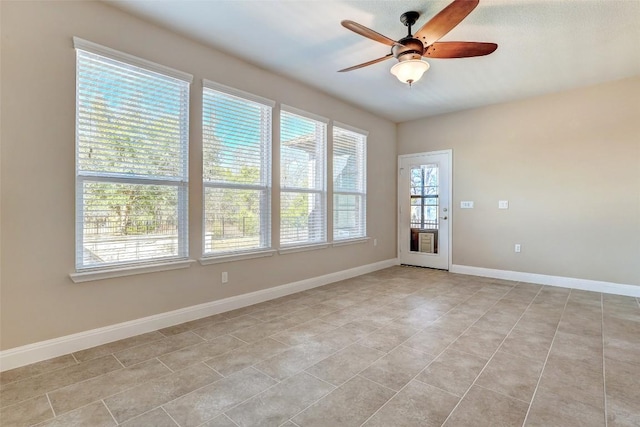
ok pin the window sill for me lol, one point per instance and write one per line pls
(108, 273)
(294, 249)
(347, 242)
(218, 259)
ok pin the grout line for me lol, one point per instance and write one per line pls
(435, 386)
(172, 400)
(494, 353)
(604, 375)
(204, 362)
(122, 364)
(264, 373)
(169, 415)
(163, 364)
(373, 381)
(439, 354)
(320, 379)
(357, 374)
(229, 418)
(46, 372)
(502, 394)
(103, 398)
(368, 379)
(239, 339)
(51, 405)
(255, 395)
(75, 383)
(215, 370)
(108, 410)
(546, 359)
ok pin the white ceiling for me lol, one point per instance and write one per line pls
(544, 46)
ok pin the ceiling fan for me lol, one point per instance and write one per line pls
(409, 50)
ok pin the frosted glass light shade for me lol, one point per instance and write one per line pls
(410, 71)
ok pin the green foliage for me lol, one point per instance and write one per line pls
(127, 209)
(295, 211)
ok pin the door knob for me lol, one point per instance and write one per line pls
(443, 217)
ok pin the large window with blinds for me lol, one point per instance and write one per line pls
(131, 159)
(349, 183)
(302, 178)
(236, 128)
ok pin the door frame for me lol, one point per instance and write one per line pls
(449, 153)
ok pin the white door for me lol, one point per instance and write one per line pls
(424, 194)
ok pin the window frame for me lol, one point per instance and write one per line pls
(266, 172)
(315, 244)
(181, 183)
(362, 172)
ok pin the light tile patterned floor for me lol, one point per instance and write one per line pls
(399, 347)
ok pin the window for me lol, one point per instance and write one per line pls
(236, 130)
(349, 184)
(424, 196)
(131, 159)
(302, 178)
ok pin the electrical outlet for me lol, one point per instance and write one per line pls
(375, 242)
(466, 205)
(503, 204)
(517, 248)
(225, 277)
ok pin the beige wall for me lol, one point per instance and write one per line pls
(38, 300)
(568, 163)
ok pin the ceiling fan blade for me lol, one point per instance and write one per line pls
(459, 49)
(445, 21)
(367, 32)
(375, 61)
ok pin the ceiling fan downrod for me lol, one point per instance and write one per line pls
(408, 19)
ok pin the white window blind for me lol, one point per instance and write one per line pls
(131, 160)
(349, 184)
(303, 182)
(236, 171)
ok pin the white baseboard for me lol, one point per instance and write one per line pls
(542, 279)
(31, 353)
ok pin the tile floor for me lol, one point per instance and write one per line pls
(399, 347)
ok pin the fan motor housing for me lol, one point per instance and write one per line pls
(411, 49)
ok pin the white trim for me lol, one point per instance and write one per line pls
(237, 93)
(229, 257)
(31, 353)
(108, 273)
(347, 242)
(302, 248)
(448, 152)
(543, 279)
(97, 49)
(303, 113)
(349, 128)
(426, 153)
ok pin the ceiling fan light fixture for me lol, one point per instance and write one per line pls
(410, 71)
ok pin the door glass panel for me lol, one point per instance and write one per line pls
(424, 209)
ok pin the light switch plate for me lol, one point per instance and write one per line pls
(466, 205)
(503, 204)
